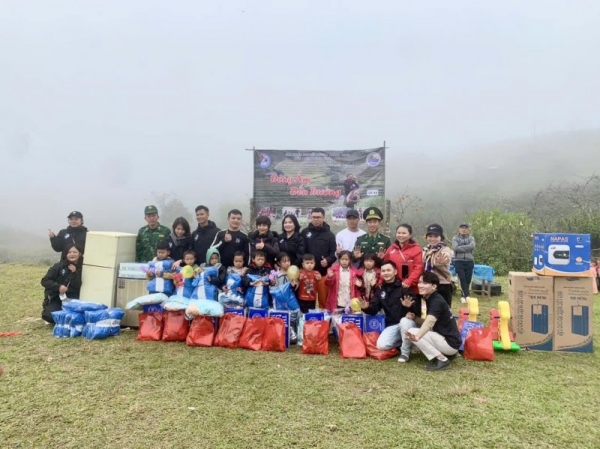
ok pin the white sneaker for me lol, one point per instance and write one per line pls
(403, 359)
(463, 300)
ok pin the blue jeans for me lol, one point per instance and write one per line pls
(464, 271)
(393, 336)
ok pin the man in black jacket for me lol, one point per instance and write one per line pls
(205, 234)
(320, 242)
(232, 239)
(396, 302)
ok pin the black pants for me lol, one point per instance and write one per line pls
(305, 306)
(49, 306)
(464, 271)
(446, 291)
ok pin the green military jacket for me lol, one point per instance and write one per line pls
(147, 241)
(370, 244)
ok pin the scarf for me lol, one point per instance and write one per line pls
(430, 253)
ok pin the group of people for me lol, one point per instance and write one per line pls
(410, 285)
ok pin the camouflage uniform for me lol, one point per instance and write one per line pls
(147, 241)
(372, 244)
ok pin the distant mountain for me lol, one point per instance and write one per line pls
(507, 168)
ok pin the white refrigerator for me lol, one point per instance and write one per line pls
(104, 252)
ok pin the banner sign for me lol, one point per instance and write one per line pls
(294, 182)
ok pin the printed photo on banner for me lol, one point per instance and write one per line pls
(295, 182)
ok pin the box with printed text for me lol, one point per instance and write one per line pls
(573, 308)
(562, 254)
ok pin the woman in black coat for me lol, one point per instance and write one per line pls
(290, 240)
(180, 239)
(62, 281)
(74, 234)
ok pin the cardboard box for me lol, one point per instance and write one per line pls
(374, 323)
(236, 310)
(562, 254)
(128, 290)
(132, 270)
(153, 308)
(574, 314)
(531, 299)
(285, 316)
(314, 316)
(254, 312)
(358, 319)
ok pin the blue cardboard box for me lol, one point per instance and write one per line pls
(374, 323)
(236, 310)
(255, 312)
(562, 254)
(285, 316)
(358, 319)
(153, 308)
(314, 316)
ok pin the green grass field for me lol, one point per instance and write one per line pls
(75, 393)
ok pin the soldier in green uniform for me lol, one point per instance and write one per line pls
(149, 236)
(372, 241)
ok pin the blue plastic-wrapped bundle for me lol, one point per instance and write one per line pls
(203, 289)
(158, 284)
(76, 305)
(284, 297)
(175, 303)
(59, 326)
(103, 323)
(257, 296)
(73, 324)
(115, 315)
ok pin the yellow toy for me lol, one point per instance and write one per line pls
(473, 308)
(355, 305)
(504, 335)
(187, 272)
(293, 272)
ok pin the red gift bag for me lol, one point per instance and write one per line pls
(479, 346)
(315, 338)
(202, 332)
(151, 326)
(274, 335)
(370, 339)
(176, 326)
(252, 335)
(352, 345)
(230, 329)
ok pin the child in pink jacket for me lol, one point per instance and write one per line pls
(342, 282)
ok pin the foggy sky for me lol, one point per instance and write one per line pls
(104, 102)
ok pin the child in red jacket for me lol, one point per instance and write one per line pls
(341, 279)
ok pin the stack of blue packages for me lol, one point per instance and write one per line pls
(100, 324)
(59, 326)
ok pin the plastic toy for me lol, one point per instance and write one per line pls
(473, 304)
(503, 341)
(355, 306)
(463, 315)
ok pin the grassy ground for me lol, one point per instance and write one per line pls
(128, 394)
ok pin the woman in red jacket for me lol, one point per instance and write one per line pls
(408, 257)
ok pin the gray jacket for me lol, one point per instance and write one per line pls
(463, 247)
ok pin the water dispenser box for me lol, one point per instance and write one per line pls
(574, 301)
(531, 299)
(562, 254)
